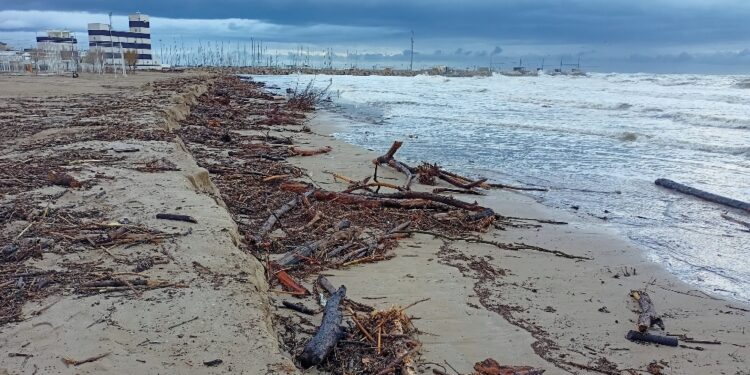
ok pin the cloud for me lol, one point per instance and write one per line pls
(193, 29)
(464, 31)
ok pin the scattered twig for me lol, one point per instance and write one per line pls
(74, 362)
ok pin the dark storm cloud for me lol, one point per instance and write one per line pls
(540, 21)
(469, 31)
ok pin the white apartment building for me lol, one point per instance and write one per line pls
(114, 43)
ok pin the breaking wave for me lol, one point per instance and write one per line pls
(708, 120)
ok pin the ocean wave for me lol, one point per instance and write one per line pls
(745, 84)
(737, 151)
(707, 120)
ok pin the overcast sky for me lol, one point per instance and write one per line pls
(609, 35)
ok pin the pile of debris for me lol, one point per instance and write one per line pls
(229, 134)
(47, 153)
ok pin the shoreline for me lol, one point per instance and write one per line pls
(537, 292)
(688, 236)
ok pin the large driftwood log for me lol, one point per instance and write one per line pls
(669, 184)
(648, 317)
(647, 337)
(328, 335)
(447, 200)
(364, 201)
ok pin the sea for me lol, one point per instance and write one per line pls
(597, 142)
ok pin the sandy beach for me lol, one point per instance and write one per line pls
(102, 276)
(531, 308)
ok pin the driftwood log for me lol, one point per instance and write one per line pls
(329, 333)
(388, 159)
(400, 199)
(669, 184)
(648, 317)
(364, 201)
(309, 152)
(271, 221)
(647, 337)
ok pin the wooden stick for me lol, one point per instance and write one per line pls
(459, 191)
(176, 217)
(183, 323)
(396, 362)
(305, 251)
(360, 326)
(291, 284)
(299, 307)
(73, 362)
(269, 223)
(499, 245)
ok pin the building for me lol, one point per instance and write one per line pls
(57, 40)
(56, 52)
(113, 44)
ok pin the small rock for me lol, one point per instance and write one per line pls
(9, 249)
(213, 363)
(604, 309)
(277, 234)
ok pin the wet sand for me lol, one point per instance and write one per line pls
(530, 308)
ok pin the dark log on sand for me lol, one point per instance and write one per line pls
(328, 335)
(647, 337)
(175, 217)
(648, 317)
(669, 184)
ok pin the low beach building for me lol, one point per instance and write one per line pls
(113, 44)
(56, 52)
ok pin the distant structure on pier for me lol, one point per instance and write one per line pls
(111, 45)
